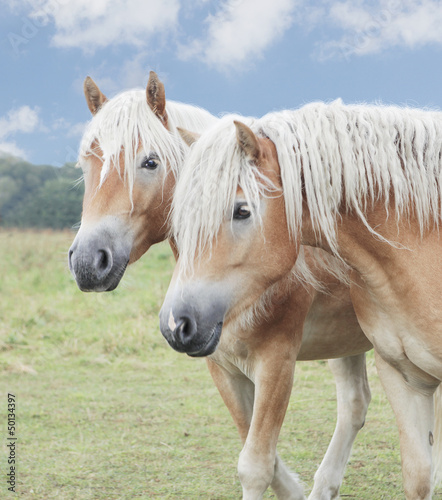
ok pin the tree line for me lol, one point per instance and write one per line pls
(39, 196)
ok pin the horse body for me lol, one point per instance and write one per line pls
(397, 296)
(129, 179)
(362, 183)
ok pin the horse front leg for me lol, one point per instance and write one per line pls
(353, 398)
(259, 465)
(238, 393)
(414, 412)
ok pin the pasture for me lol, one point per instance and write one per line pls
(107, 410)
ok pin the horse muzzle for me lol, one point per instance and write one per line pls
(98, 259)
(193, 324)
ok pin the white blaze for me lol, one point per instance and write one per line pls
(171, 323)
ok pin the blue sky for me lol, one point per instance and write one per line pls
(245, 56)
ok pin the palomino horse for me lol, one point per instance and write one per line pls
(130, 154)
(362, 182)
(126, 206)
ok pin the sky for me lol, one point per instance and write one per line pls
(243, 56)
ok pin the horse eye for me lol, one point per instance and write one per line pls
(149, 163)
(242, 211)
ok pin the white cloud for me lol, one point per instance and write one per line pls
(370, 29)
(10, 148)
(240, 31)
(237, 32)
(90, 25)
(24, 120)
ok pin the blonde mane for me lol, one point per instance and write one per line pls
(337, 154)
(356, 155)
(126, 122)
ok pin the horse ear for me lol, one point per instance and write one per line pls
(94, 97)
(156, 97)
(248, 141)
(188, 137)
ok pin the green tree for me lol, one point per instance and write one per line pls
(39, 196)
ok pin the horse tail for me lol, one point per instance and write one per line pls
(437, 446)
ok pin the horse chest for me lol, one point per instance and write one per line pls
(234, 354)
(331, 329)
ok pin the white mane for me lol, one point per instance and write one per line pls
(339, 155)
(126, 122)
(356, 155)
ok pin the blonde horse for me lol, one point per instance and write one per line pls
(364, 183)
(131, 155)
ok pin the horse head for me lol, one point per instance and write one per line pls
(231, 230)
(128, 154)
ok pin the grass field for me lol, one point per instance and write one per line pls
(106, 410)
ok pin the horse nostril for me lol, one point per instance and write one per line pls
(70, 254)
(103, 261)
(184, 330)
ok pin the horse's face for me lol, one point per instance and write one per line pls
(119, 224)
(244, 259)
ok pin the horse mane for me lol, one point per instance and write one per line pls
(355, 156)
(335, 155)
(126, 121)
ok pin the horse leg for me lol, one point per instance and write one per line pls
(353, 398)
(238, 393)
(437, 448)
(258, 465)
(414, 413)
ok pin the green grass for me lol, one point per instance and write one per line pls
(106, 410)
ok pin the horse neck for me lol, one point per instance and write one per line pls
(381, 247)
(173, 247)
(189, 117)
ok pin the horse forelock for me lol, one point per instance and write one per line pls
(337, 155)
(125, 125)
(212, 173)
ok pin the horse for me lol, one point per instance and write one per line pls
(131, 155)
(361, 182)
